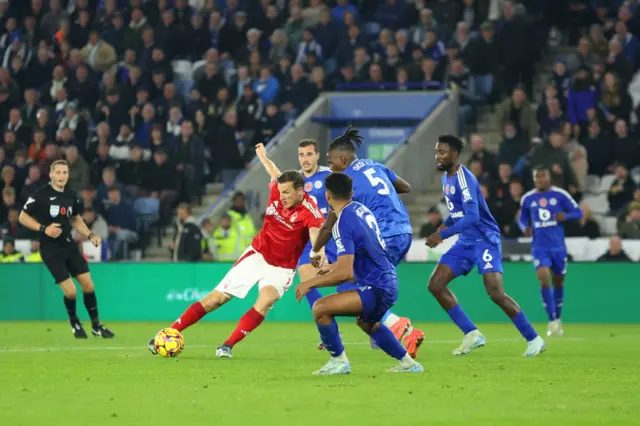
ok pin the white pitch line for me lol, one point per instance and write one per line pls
(133, 348)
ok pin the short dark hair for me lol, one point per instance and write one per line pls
(453, 142)
(308, 142)
(113, 188)
(293, 176)
(347, 142)
(238, 194)
(339, 185)
(541, 168)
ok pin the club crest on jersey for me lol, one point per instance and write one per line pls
(318, 184)
(452, 190)
(543, 202)
(553, 201)
(54, 211)
(308, 186)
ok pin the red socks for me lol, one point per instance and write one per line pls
(192, 315)
(249, 322)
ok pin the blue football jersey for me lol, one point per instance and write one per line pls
(469, 215)
(357, 232)
(314, 186)
(538, 210)
(373, 187)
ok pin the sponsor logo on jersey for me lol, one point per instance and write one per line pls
(54, 211)
(293, 217)
(545, 224)
(457, 215)
(273, 211)
(308, 186)
(318, 184)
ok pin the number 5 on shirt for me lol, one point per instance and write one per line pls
(375, 181)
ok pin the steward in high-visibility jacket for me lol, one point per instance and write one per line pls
(228, 241)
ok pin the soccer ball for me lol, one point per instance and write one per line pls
(169, 342)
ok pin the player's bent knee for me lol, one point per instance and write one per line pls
(320, 310)
(267, 297)
(435, 285)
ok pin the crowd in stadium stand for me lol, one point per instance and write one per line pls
(96, 82)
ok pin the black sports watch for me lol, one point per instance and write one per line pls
(42, 229)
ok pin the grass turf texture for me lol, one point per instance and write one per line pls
(589, 377)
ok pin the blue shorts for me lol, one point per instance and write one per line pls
(329, 250)
(463, 256)
(556, 260)
(377, 301)
(398, 246)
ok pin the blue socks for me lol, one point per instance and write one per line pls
(312, 296)
(558, 295)
(331, 338)
(386, 341)
(461, 319)
(549, 302)
(524, 326)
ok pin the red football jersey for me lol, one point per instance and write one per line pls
(285, 232)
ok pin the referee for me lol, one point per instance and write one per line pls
(53, 211)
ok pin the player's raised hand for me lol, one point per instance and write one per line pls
(261, 151)
(301, 290)
(53, 230)
(434, 240)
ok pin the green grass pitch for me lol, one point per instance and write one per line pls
(589, 377)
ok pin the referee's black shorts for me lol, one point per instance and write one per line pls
(64, 261)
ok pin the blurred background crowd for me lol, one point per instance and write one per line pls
(150, 101)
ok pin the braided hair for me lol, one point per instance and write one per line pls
(347, 142)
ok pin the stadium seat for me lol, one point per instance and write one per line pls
(609, 225)
(605, 183)
(598, 203)
(592, 185)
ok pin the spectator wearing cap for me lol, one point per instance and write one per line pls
(98, 54)
(79, 172)
(434, 221)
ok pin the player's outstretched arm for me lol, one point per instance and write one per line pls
(401, 186)
(269, 165)
(341, 272)
(314, 233)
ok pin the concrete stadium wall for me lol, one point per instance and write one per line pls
(595, 292)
